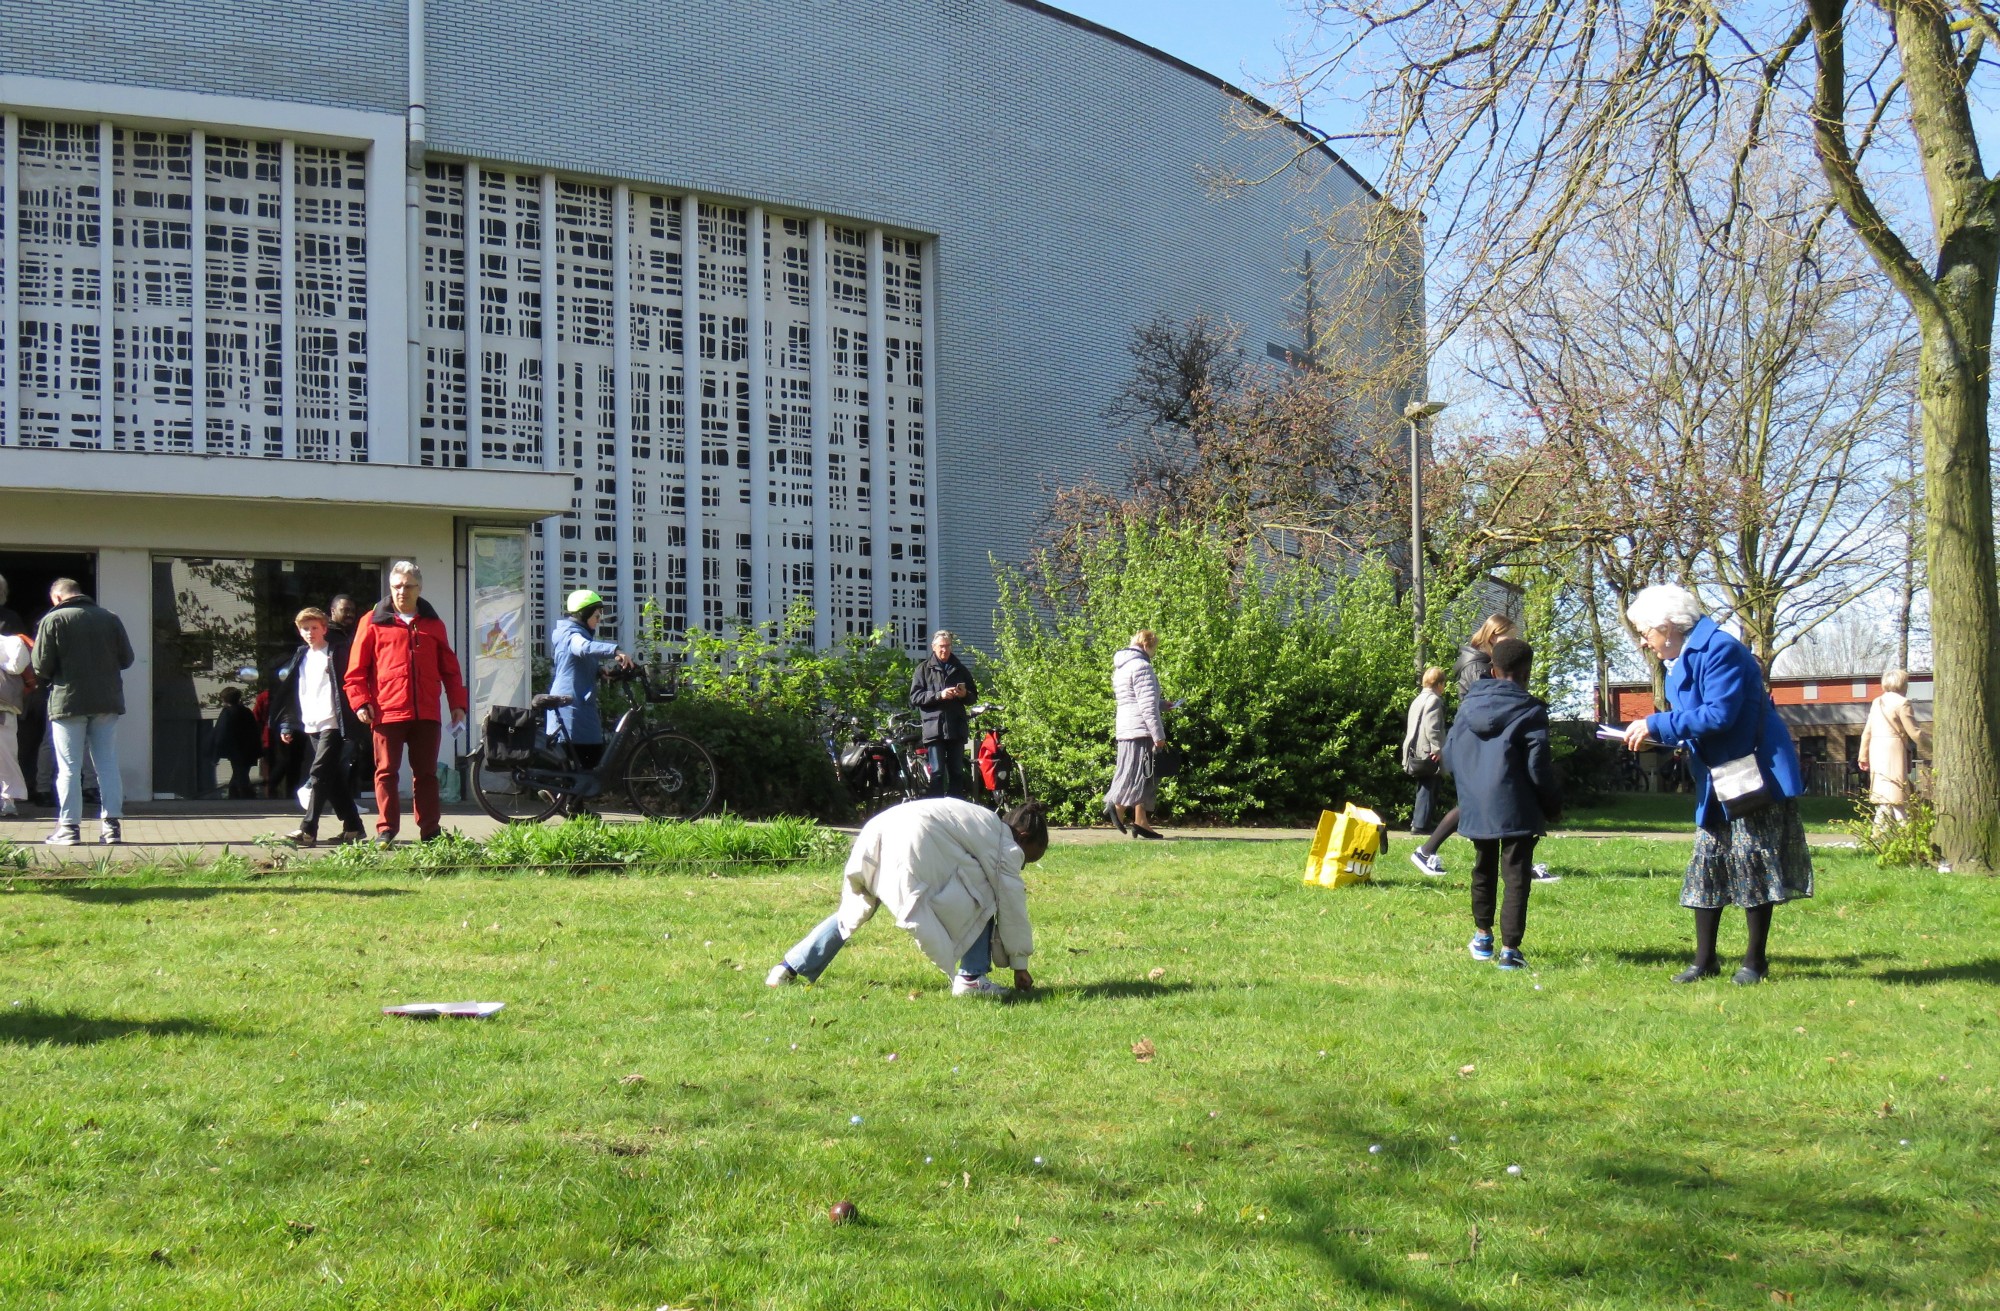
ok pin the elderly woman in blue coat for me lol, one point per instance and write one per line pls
(578, 656)
(1742, 759)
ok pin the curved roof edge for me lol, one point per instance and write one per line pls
(1311, 134)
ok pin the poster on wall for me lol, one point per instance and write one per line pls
(502, 673)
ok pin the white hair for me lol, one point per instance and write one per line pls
(406, 569)
(1896, 680)
(1664, 606)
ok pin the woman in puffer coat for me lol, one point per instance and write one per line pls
(1141, 730)
(950, 872)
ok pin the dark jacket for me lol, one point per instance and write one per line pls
(81, 653)
(1472, 667)
(287, 699)
(1498, 750)
(944, 721)
(402, 669)
(1721, 711)
(235, 736)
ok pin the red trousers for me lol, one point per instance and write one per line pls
(421, 736)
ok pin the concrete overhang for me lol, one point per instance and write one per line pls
(495, 495)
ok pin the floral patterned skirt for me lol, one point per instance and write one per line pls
(1759, 860)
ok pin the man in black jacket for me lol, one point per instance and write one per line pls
(942, 688)
(311, 707)
(1507, 792)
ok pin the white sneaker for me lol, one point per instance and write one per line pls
(980, 986)
(1430, 865)
(1542, 874)
(64, 836)
(780, 975)
(8, 809)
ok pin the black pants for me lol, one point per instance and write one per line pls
(328, 779)
(949, 776)
(239, 779)
(1503, 860)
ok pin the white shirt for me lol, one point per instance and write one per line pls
(317, 711)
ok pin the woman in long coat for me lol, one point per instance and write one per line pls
(1141, 730)
(1721, 712)
(1888, 747)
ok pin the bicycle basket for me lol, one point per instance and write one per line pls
(512, 733)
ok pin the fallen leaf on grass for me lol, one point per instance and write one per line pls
(1143, 1049)
(632, 1079)
(1156, 974)
(1466, 1071)
(1886, 1110)
(1417, 1256)
(301, 1226)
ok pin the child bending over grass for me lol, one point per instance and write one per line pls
(950, 872)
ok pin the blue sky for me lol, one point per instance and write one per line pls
(1239, 40)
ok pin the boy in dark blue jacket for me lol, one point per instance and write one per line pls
(1498, 750)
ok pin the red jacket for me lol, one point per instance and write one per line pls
(398, 669)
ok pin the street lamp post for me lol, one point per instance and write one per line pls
(1413, 413)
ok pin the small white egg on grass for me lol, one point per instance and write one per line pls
(1513, 1169)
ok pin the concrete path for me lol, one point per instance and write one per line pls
(205, 829)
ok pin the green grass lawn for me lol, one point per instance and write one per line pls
(1656, 812)
(204, 1108)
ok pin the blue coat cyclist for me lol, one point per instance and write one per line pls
(579, 656)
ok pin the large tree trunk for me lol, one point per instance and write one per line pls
(1965, 609)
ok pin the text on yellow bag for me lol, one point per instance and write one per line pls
(1345, 846)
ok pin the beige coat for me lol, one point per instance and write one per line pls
(944, 868)
(1887, 745)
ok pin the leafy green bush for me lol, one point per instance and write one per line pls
(1296, 679)
(1905, 843)
(767, 761)
(586, 846)
(1583, 762)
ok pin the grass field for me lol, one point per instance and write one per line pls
(1655, 812)
(204, 1108)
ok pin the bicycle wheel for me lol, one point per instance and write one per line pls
(511, 795)
(670, 776)
(1014, 791)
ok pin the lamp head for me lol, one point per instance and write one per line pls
(1422, 409)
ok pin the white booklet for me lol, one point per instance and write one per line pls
(1613, 733)
(458, 1010)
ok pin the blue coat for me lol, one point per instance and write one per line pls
(1498, 750)
(1716, 691)
(578, 656)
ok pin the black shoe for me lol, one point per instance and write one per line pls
(1696, 973)
(1141, 831)
(1747, 976)
(1112, 812)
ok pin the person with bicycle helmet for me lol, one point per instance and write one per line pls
(579, 656)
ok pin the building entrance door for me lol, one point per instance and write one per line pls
(221, 623)
(28, 575)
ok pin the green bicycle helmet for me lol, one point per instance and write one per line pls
(582, 599)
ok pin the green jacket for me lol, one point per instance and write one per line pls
(81, 652)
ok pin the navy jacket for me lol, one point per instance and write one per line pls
(944, 721)
(1498, 750)
(1716, 689)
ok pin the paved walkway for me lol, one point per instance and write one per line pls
(180, 830)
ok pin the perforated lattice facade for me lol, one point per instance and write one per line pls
(184, 293)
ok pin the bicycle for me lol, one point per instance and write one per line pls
(875, 770)
(998, 775)
(520, 777)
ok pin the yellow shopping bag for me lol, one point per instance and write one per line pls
(1345, 846)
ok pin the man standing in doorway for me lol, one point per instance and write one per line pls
(81, 654)
(402, 663)
(942, 687)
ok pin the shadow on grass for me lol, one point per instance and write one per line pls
(200, 892)
(1109, 990)
(1804, 964)
(1972, 971)
(31, 1028)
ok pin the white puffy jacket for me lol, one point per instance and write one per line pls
(943, 867)
(1141, 711)
(14, 655)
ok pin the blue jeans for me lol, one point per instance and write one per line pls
(76, 736)
(949, 776)
(817, 949)
(1423, 815)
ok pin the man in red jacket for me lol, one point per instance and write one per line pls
(401, 662)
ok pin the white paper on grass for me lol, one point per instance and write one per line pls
(457, 1010)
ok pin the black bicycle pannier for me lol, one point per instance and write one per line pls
(511, 735)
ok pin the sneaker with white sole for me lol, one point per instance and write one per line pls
(8, 809)
(1481, 946)
(966, 985)
(1543, 874)
(110, 834)
(64, 836)
(1428, 863)
(1511, 959)
(780, 975)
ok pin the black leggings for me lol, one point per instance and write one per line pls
(1445, 828)
(1756, 919)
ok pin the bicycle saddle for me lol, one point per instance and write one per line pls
(550, 701)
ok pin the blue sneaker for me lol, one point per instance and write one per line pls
(1481, 946)
(1512, 959)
